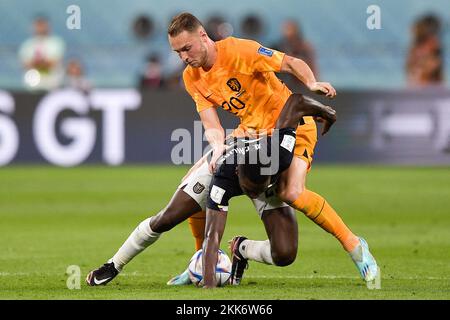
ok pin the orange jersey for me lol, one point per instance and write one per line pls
(242, 81)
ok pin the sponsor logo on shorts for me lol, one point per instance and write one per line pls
(234, 84)
(265, 51)
(198, 188)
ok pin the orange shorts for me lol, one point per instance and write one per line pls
(306, 140)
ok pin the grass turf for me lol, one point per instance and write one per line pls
(51, 218)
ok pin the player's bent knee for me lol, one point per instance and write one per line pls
(289, 195)
(283, 258)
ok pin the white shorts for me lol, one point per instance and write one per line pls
(267, 201)
(197, 184)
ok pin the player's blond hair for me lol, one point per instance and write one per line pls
(183, 22)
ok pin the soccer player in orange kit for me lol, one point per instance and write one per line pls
(239, 76)
(190, 197)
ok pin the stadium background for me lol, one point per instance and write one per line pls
(54, 217)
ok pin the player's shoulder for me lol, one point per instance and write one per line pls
(238, 43)
(239, 52)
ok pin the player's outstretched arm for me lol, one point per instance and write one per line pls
(298, 106)
(299, 69)
(215, 225)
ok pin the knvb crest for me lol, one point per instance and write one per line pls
(234, 84)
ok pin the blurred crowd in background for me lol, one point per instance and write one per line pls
(50, 60)
(46, 67)
(424, 65)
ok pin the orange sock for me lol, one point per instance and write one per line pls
(318, 210)
(197, 224)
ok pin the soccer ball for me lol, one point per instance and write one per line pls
(223, 268)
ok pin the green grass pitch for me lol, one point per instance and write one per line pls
(51, 218)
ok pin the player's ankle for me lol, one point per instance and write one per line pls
(117, 266)
(350, 243)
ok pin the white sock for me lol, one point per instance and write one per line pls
(139, 239)
(256, 251)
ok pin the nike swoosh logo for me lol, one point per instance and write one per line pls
(98, 282)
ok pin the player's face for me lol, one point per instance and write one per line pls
(191, 47)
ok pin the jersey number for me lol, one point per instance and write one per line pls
(234, 104)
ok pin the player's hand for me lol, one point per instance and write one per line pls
(206, 285)
(217, 152)
(323, 88)
(328, 118)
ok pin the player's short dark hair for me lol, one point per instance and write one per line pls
(183, 22)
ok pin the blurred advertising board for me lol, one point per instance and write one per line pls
(125, 126)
